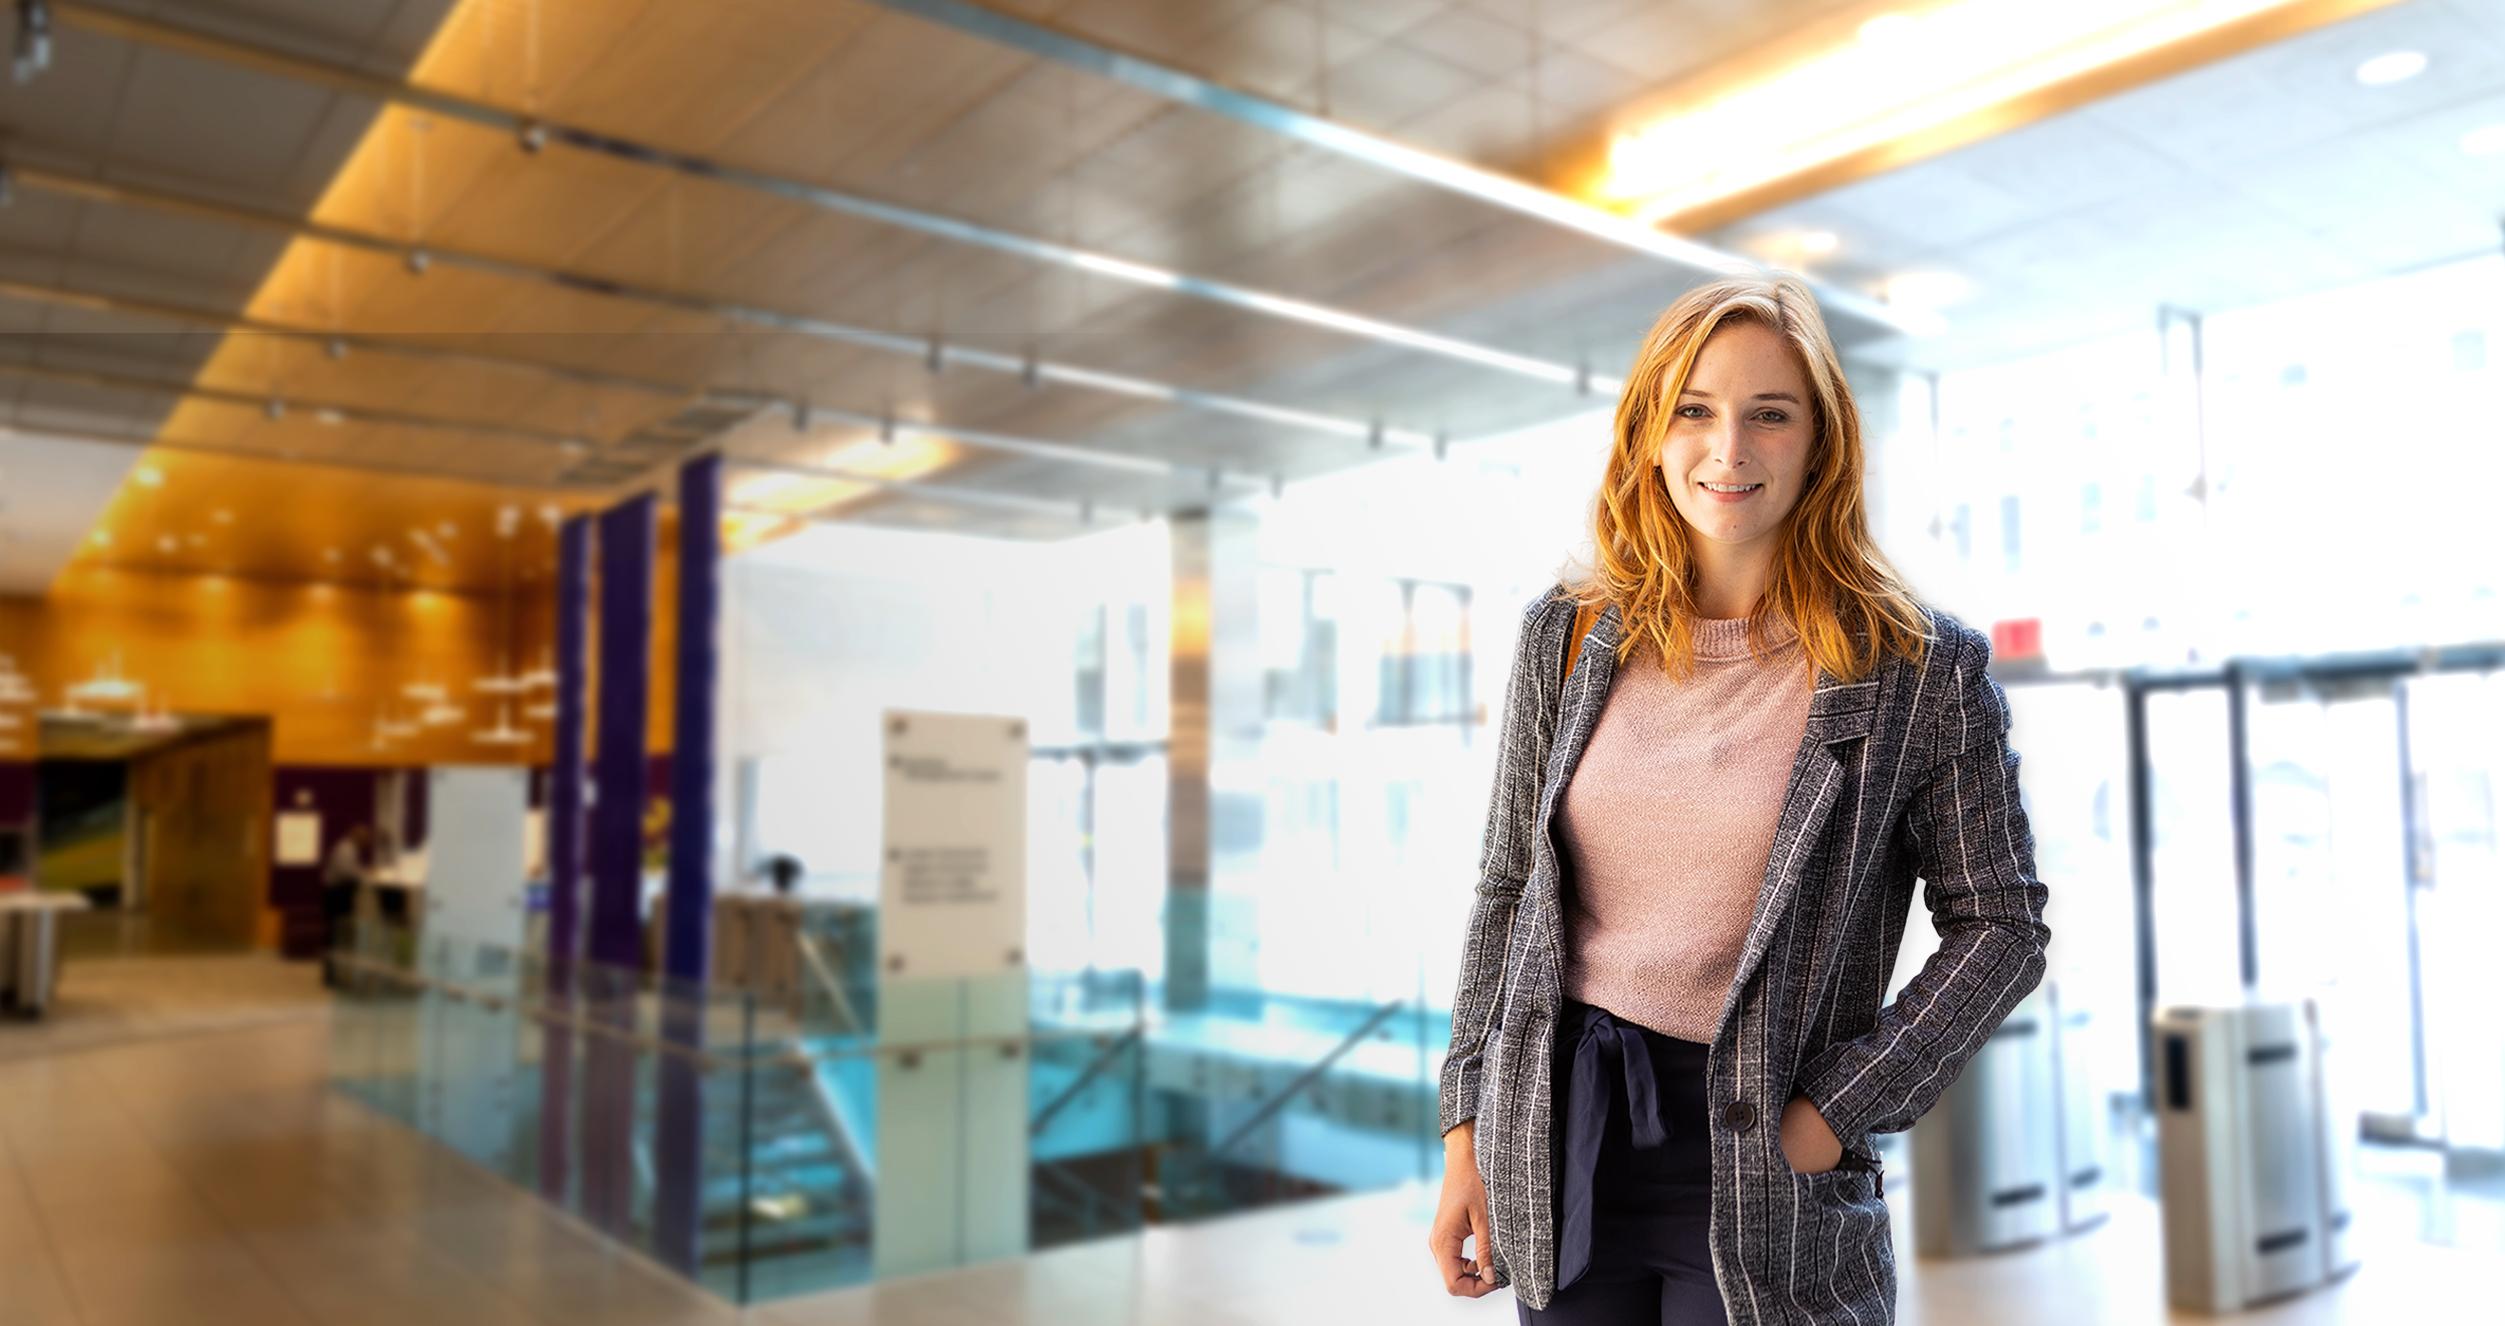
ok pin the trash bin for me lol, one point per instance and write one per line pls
(30, 948)
(8, 954)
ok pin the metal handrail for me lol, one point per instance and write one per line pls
(1095, 1069)
(732, 1057)
(1305, 1079)
(815, 961)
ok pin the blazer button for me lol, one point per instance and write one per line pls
(1739, 1114)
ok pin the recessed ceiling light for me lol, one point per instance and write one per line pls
(448, 529)
(330, 554)
(149, 476)
(223, 516)
(1816, 241)
(2485, 141)
(2392, 67)
(165, 543)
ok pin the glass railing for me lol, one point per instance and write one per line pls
(826, 1128)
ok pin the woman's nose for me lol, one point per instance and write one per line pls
(1727, 451)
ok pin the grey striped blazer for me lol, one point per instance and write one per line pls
(1906, 773)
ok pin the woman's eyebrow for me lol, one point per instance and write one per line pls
(1760, 396)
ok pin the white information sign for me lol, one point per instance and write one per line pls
(299, 838)
(952, 889)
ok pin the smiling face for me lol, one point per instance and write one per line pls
(1735, 456)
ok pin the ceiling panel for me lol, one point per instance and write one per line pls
(2101, 212)
(50, 495)
(252, 145)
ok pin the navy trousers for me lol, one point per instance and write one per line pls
(1635, 1177)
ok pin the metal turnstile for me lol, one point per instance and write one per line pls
(1987, 1159)
(2086, 1129)
(2253, 1153)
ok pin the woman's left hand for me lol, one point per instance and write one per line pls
(1805, 1136)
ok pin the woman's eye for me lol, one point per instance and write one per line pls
(1683, 411)
(1772, 416)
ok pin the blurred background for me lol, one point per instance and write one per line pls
(671, 661)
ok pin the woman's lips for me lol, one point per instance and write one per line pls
(1711, 495)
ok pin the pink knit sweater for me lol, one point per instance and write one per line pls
(1668, 821)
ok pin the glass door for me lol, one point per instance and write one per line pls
(2335, 911)
(2456, 745)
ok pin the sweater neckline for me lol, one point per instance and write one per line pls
(1723, 639)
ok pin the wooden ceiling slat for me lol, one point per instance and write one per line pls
(687, 75)
(891, 83)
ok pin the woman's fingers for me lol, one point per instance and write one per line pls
(1462, 1213)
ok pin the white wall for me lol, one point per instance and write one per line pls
(825, 631)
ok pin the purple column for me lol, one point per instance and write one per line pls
(615, 933)
(679, 1160)
(565, 855)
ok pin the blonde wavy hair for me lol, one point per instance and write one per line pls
(1830, 582)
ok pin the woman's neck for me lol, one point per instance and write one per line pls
(1729, 581)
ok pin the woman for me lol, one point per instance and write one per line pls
(1668, 1051)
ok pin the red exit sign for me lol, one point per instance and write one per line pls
(2017, 638)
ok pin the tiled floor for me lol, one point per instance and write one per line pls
(110, 1000)
(169, 1154)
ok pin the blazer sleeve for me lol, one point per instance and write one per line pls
(1525, 729)
(1976, 855)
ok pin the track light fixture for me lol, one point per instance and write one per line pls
(533, 136)
(931, 356)
(418, 262)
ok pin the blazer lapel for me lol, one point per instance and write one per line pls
(1578, 710)
(1838, 712)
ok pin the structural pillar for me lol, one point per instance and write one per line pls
(677, 1208)
(1217, 715)
(565, 856)
(616, 842)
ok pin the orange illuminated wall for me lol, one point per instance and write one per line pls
(320, 661)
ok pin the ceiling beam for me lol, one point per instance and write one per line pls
(934, 351)
(135, 442)
(277, 406)
(734, 397)
(1053, 41)
(539, 133)
(98, 301)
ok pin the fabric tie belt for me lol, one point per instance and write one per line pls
(1604, 1046)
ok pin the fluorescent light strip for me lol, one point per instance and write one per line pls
(1912, 75)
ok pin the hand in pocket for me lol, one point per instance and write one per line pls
(1805, 1137)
